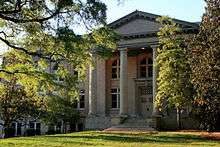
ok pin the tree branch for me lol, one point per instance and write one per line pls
(18, 8)
(40, 20)
(36, 54)
(11, 73)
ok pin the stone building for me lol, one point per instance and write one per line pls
(120, 91)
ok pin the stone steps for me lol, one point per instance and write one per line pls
(133, 124)
(130, 129)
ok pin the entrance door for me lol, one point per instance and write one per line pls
(145, 102)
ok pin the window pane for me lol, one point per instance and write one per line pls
(114, 73)
(143, 61)
(150, 61)
(114, 100)
(31, 125)
(143, 72)
(118, 100)
(113, 90)
(38, 129)
(19, 129)
(82, 101)
(150, 71)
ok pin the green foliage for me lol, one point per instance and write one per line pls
(18, 103)
(206, 67)
(42, 34)
(174, 87)
(61, 111)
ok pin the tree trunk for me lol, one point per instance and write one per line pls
(178, 118)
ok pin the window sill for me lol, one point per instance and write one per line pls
(115, 109)
(143, 79)
(115, 79)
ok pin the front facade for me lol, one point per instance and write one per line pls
(123, 87)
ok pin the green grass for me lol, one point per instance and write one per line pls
(97, 139)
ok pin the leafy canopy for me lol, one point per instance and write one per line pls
(174, 88)
(205, 64)
(42, 34)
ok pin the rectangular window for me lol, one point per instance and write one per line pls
(19, 125)
(31, 125)
(150, 71)
(81, 102)
(115, 97)
(114, 73)
(143, 72)
(38, 129)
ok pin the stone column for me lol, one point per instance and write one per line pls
(155, 74)
(156, 117)
(101, 86)
(123, 82)
(92, 88)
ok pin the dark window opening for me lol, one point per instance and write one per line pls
(115, 97)
(82, 101)
(115, 69)
(150, 71)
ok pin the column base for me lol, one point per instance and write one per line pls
(156, 118)
(92, 115)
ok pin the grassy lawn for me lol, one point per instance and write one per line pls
(97, 139)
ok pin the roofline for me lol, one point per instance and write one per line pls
(149, 16)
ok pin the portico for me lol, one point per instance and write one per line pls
(126, 78)
(124, 86)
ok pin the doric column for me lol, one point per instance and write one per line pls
(92, 88)
(155, 74)
(101, 86)
(123, 82)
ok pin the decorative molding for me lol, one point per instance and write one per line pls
(148, 16)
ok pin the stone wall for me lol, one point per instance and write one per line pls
(97, 122)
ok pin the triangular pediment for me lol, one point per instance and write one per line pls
(138, 26)
(139, 22)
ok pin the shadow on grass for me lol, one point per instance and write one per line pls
(166, 139)
(48, 140)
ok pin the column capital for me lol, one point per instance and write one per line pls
(155, 46)
(122, 49)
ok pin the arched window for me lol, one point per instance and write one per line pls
(115, 69)
(146, 68)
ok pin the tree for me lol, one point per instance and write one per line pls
(45, 33)
(39, 33)
(18, 103)
(62, 113)
(174, 87)
(206, 66)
